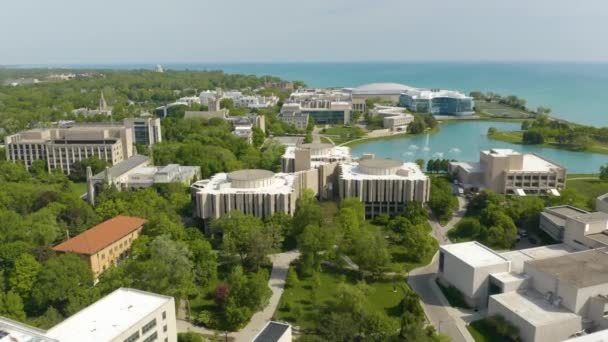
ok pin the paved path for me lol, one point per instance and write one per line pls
(446, 319)
(280, 265)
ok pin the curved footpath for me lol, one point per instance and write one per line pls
(280, 265)
(446, 319)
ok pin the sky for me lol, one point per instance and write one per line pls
(234, 31)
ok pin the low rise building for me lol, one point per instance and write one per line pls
(383, 185)
(136, 173)
(548, 293)
(393, 118)
(60, 148)
(553, 220)
(255, 192)
(506, 171)
(123, 315)
(437, 102)
(105, 244)
(146, 130)
(579, 229)
(386, 92)
(325, 106)
(291, 115)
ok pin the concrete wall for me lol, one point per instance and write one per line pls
(601, 204)
(169, 321)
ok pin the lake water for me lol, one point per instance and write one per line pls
(575, 91)
(464, 140)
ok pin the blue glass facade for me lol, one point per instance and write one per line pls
(438, 105)
(326, 116)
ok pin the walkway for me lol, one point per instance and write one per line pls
(280, 265)
(446, 319)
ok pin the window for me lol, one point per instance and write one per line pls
(148, 326)
(166, 339)
(152, 337)
(165, 328)
(164, 314)
(133, 337)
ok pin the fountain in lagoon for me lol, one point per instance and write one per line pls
(426, 144)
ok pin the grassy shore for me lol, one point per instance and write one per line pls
(364, 140)
(516, 137)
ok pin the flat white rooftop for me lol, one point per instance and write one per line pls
(281, 183)
(518, 257)
(334, 153)
(353, 171)
(470, 167)
(474, 254)
(533, 308)
(598, 336)
(109, 316)
(533, 162)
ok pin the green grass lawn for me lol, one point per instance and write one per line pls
(516, 137)
(80, 188)
(301, 304)
(341, 134)
(590, 188)
(495, 109)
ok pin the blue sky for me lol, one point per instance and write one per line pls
(124, 31)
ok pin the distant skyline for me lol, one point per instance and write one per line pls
(69, 32)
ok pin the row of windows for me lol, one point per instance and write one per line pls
(149, 326)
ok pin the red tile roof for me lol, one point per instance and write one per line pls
(102, 235)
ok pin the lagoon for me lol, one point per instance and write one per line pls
(463, 141)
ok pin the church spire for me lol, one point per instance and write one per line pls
(102, 102)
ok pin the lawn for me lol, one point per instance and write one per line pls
(301, 304)
(590, 188)
(79, 188)
(516, 137)
(498, 110)
(341, 134)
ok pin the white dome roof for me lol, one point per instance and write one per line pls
(382, 88)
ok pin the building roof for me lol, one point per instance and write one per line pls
(532, 307)
(250, 175)
(100, 236)
(380, 163)
(593, 217)
(582, 269)
(381, 169)
(221, 183)
(13, 331)
(124, 166)
(436, 93)
(558, 214)
(273, 331)
(520, 256)
(222, 113)
(474, 254)
(110, 316)
(381, 88)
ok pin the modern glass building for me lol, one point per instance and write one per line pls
(438, 102)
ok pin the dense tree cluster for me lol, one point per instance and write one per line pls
(421, 123)
(437, 165)
(544, 129)
(442, 201)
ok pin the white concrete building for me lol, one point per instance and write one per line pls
(383, 185)
(146, 130)
(213, 97)
(256, 192)
(575, 227)
(123, 315)
(549, 293)
(601, 203)
(507, 171)
(393, 118)
(387, 92)
(291, 115)
(325, 106)
(60, 148)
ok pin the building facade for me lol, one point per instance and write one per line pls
(105, 244)
(259, 193)
(295, 118)
(60, 148)
(146, 130)
(325, 106)
(437, 102)
(386, 92)
(506, 171)
(383, 185)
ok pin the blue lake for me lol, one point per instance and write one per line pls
(464, 140)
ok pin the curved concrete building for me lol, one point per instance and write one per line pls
(389, 92)
(255, 192)
(437, 102)
(383, 185)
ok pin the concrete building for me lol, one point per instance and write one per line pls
(256, 192)
(553, 220)
(291, 115)
(387, 92)
(393, 118)
(146, 130)
(601, 203)
(506, 171)
(136, 173)
(123, 315)
(549, 293)
(213, 97)
(467, 267)
(383, 185)
(105, 244)
(274, 332)
(437, 102)
(325, 106)
(60, 148)
(320, 162)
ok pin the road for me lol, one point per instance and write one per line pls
(446, 319)
(280, 265)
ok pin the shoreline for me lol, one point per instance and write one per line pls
(501, 136)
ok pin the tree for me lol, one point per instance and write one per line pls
(604, 172)
(533, 137)
(442, 202)
(258, 136)
(492, 131)
(278, 226)
(23, 276)
(370, 251)
(418, 242)
(308, 212)
(64, 283)
(420, 163)
(79, 169)
(204, 261)
(11, 306)
(244, 236)
(222, 291)
(313, 240)
(190, 337)
(292, 278)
